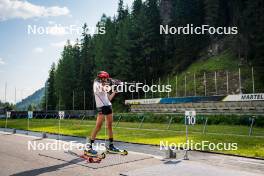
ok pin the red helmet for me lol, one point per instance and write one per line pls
(103, 74)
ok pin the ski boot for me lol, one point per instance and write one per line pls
(113, 150)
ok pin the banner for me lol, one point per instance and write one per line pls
(8, 114)
(30, 114)
(143, 101)
(190, 117)
(61, 114)
(190, 113)
(193, 99)
(245, 97)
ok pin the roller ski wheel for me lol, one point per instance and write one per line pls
(89, 158)
(93, 158)
(125, 152)
(102, 156)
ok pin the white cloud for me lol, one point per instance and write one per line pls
(38, 50)
(10, 9)
(2, 62)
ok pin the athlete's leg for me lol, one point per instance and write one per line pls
(109, 122)
(89, 147)
(99, 122)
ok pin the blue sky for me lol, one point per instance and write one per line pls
(25, 58)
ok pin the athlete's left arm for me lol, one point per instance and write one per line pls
(110, 97)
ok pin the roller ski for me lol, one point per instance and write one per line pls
(113, 150)
(92, 156)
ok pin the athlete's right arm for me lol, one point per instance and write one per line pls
(97, 87)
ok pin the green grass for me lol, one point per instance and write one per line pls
(153, 133)
(224, 61)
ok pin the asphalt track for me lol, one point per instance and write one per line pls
(17, 160)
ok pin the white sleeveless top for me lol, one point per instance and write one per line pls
(101, 96)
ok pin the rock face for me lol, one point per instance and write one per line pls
(165, 11)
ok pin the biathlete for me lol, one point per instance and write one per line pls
(104, 108)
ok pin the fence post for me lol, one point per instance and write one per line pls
(73, 100)
(142, 120)
(138, 93)
(46, 97)
(205, 124)
(253, 80)
(168, 127)
(83, 117)
(168, 84)
(176, 85)
(204, 84)
(194, 82)
(27, 126)
(227, 84)
(251, 126)
(185, 88)
(151, 91)
(58, 136)
(60, 101)
(44, 134)
(118, 121)
(6, 122)
(61, 115)
(239, 79)
(145, 82)
(84, 103)
(215, 83)
(159, 91)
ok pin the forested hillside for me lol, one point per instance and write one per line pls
(132, 48)
(32, 102)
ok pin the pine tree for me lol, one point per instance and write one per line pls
(136, 37)
(123, 58)
(121, 12)
(104, 46)
(152, 41)
(183, 49)
(86, 71)
(51, 93)
(255, 22)
(65, 78)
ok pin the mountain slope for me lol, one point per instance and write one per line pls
(34, 99)
(224, 66)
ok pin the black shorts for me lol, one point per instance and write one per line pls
(105, 110)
